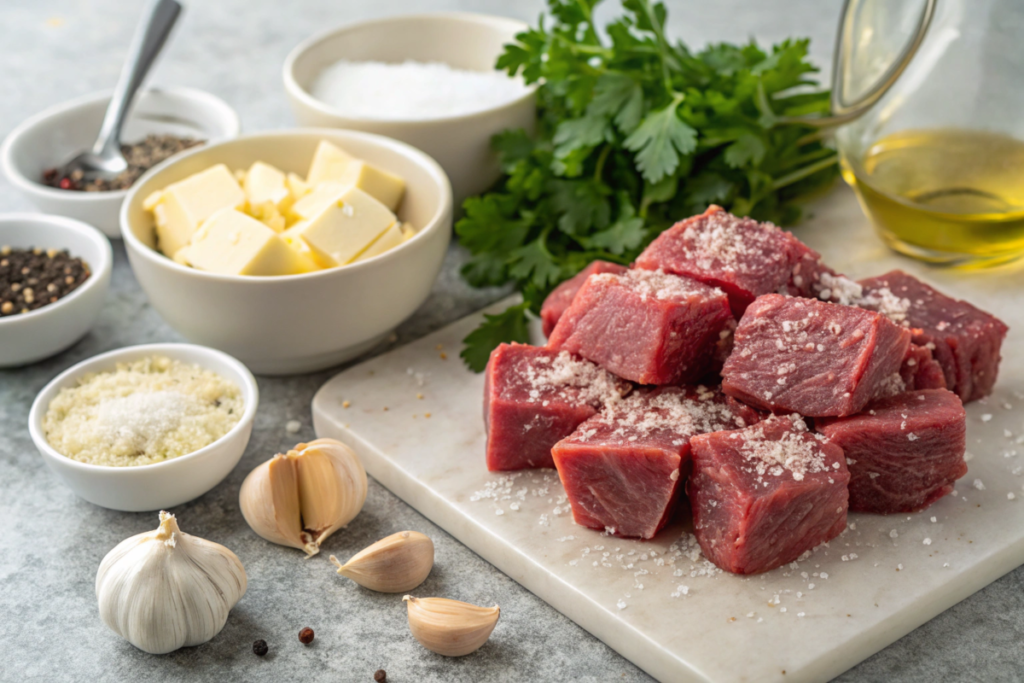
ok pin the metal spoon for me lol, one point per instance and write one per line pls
(105, 159)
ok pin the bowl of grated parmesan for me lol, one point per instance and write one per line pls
(146, 427)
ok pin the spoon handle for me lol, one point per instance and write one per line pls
(150, 36)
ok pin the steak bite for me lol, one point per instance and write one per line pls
(920, 370)
(561, 296)
(645, 326)
(904, 452)
(623, 468)
(765, 495)
(964, 339)
(534, 397)
(743, 257)
(811, 357)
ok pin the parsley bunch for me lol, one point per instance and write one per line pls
(633, 136)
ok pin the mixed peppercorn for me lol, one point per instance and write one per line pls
(33, 278)
(141, 156)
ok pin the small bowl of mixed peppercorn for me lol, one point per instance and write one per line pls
(162, 123)
(54, 275)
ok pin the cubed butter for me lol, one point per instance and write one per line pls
(329, 163)
(408, 232)
(391, 238)
(293, 238)
(297, 186)
(385, 187)
(268, 214)
(264, 184)
(347, 227)
(183, 206)
(232, 243)
(315, 202)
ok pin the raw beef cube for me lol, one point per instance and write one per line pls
(903, 452)
(645, 326)
(562, 295)
(622, 469)
(741, 256)
(534, 397)
(964, 340)
(920, 370)
(764, 495)
(811, 357)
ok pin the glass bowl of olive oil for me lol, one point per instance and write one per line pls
(938, 163)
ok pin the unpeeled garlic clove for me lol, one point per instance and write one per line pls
(300, 498)
(164, 589)
(394, 564)
(450, 627)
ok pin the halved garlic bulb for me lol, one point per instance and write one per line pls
(450, 627)
(394, 564)
(164, 589)
(300, 498)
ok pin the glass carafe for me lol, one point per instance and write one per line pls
(938, 161)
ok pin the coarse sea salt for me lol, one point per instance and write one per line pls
(412, 90)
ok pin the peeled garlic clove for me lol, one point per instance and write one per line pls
(300, 498)
(450, 627)
(394, 564)
(163, 590)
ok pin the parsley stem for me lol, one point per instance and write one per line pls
(802, 173)
(664, 48)
(599, 171)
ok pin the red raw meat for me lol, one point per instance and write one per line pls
(622, 469)
(763, 496)
(811, 357)
(534, 397)
(920, 370)
(964, 339)
(645, 326)
(562, 295)
(741, 256)
(904, 452)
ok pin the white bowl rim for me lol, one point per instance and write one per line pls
(19, 180)
(249, 388)
(296, 90)
(99, 270)
(435, 223)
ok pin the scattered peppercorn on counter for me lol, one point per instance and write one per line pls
(263, 221)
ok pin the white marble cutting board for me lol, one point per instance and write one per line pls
(414, 416)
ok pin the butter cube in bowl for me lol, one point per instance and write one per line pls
(292, 250)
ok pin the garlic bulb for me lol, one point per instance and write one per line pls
(164, 589)
(450, 627)
(300, 498)
(394, 564)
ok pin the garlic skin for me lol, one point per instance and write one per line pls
(300, 498)
(449, 627)
(164, 589)
(394, 564)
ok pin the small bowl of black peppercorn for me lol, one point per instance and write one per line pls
(162, 123)
(54, 276)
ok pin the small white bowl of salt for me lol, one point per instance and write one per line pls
(427, 80)
(145, 427)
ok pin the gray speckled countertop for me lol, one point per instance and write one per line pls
(51, 542)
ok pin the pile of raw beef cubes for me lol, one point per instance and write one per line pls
(731, 363)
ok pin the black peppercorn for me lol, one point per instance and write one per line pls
(306, 636)
(380, 676)
(259, 648)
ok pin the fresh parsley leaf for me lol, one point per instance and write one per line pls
(582, 206)
(625, 234)
(659, 141)
(508, 326)
(534, 262)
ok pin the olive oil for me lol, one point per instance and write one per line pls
(945, 195)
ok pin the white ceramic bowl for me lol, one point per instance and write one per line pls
(28, 337)
(53, 136)
(296, 323)
(461, 144)
(161, 485)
